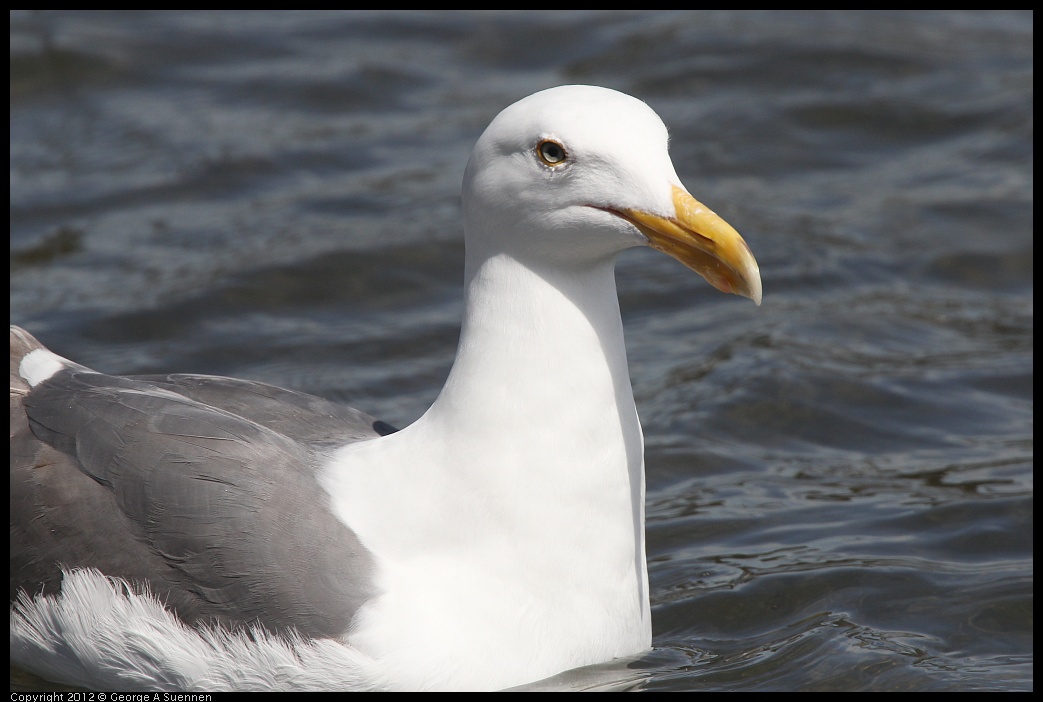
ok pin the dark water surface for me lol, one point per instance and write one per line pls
(839, 481)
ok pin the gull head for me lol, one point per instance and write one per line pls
(575, 174)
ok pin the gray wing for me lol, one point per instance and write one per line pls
(204, 488)
(306, 418)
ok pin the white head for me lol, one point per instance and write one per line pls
(578, 173)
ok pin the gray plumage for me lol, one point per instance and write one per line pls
(201, 487)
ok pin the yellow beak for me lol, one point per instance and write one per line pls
(704, 242)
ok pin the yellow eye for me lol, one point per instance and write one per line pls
(551, 152)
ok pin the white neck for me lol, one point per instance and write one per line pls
(541, 364)
(518, 521)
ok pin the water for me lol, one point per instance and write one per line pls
(839, 481)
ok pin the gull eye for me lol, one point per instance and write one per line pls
(551, 152)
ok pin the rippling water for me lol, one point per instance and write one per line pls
(839, 481)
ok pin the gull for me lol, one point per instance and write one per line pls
(192, 532)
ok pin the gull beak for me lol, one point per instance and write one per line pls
(704, 242)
